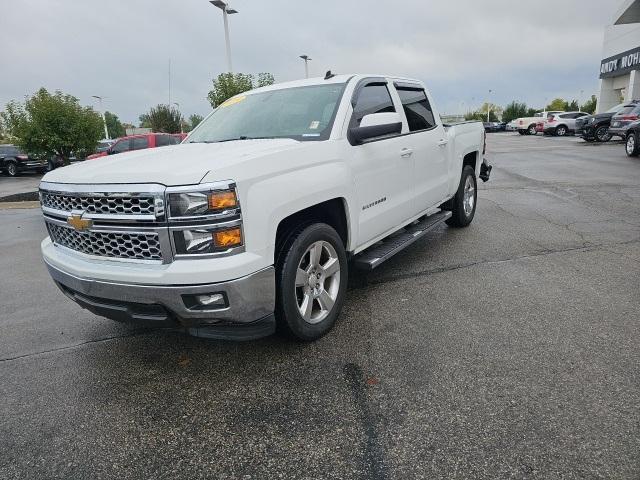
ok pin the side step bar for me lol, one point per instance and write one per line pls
(380, 252)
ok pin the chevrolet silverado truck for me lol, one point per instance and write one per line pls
(253, 222)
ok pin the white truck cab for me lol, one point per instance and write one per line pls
(255, 219)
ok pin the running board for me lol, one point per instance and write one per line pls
(382, 251)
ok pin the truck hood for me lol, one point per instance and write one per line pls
(184, 164)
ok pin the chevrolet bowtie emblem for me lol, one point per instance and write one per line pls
(78, 223)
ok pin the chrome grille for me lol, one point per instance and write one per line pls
(134, 245)
(109, 205)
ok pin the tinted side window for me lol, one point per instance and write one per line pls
(374, 98)
(120, 146)
(163, 140)
(417, 109)
(140, 143)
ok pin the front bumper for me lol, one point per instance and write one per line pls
(249, 300)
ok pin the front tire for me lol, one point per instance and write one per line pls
(632, 147)
(561, 131)
(311, 281)
(463, 204)
(12, 169)
(602, 134)
(531, 130)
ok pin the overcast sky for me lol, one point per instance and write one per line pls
(526, 50)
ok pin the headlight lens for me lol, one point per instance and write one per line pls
(592, 120)
(199, 241)
(194, 204)
(205, 220)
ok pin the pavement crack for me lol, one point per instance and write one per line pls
(374, 464)
(76, 345)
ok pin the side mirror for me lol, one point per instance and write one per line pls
(375, 125)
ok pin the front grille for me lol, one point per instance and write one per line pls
(109, 205)
(140, 246)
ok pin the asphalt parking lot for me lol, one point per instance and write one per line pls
(507, 349)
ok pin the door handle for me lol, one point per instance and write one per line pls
(442, 143)
(406, 152)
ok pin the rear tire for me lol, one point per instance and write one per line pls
(631, 146)
(561, 131)
(311, 281)
(463, 204)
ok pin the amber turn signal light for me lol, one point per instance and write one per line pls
(228, 238)
(222, 200)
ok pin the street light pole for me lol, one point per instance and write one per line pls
(226, 11)
(489, 105)
(178, 105)
(306, 65)
(104, 120)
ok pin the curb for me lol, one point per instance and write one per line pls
(18, 205)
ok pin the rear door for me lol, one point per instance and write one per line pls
(427, 140)
(383, 171)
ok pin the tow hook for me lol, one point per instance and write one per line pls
(485, 170)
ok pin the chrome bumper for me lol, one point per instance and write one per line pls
(249, 299)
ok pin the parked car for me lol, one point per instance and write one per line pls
(527, 125)
(596, 127)
(500, 126)
(255, 221)
(13, 161)
(103, 145)
(632, 139)
(138, 142)
(622, 119)
(512, 126)
(561, 124)
(489, 127)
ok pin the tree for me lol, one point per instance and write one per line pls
(531, 112)
(558, 104)
(514, 110)
(47, 125)
(194, 121)
(573, 106)
(162, 118)
(590, 105)
(226, 85)
(114, 127)
(481, 113)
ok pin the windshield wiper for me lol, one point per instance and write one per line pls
(241, 137)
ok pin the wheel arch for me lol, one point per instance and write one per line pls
(333, 212)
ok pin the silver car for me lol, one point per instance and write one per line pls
(562, 124)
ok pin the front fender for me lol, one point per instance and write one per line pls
(270, 200)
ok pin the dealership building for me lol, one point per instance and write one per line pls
(620, 66)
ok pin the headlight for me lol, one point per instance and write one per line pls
(207, 240)
(592, 120)
(205, 220)
(196, 204)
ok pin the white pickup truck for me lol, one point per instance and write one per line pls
(255, 219)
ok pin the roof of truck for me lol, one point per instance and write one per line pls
(337, 79)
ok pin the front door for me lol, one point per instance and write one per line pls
(383, 171)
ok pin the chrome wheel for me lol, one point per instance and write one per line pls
(469, 198)
(631, 144)
(561, 131)
(317, 281)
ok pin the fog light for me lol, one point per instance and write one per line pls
(206, 301)
(211, 299)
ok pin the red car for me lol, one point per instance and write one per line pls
(139, 142)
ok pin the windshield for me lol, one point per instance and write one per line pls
(301, 113)
(102, 146)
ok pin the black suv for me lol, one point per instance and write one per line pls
(594, 128)
(13, 161)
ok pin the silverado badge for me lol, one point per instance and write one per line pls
(78, 223)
